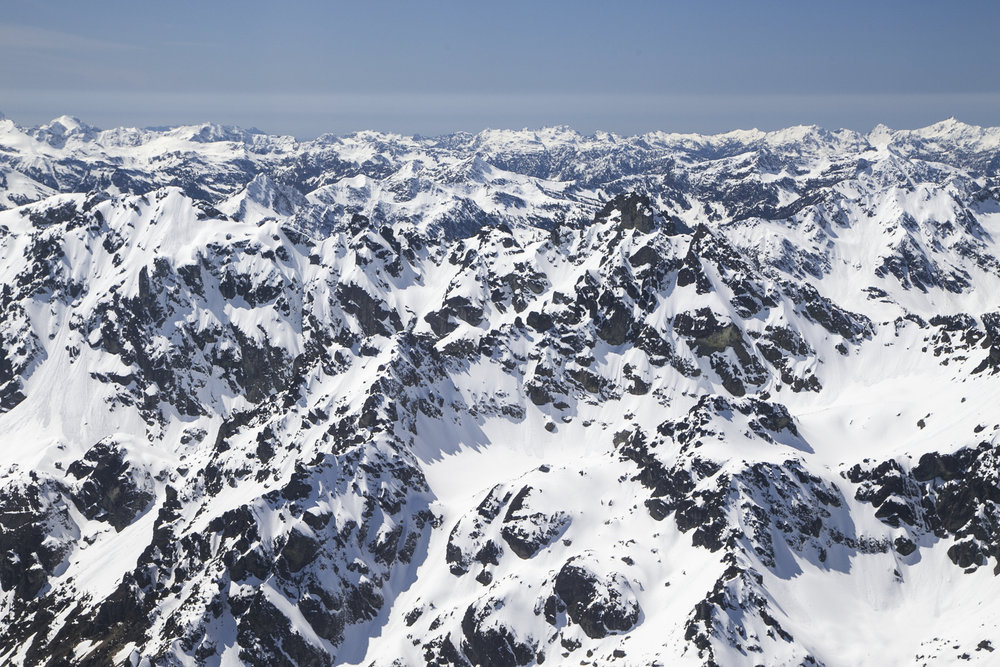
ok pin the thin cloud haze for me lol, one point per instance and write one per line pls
(30, 38)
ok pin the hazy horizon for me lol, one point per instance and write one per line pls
(431, 69)
(247, 121)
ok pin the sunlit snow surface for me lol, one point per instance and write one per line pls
(381, 400)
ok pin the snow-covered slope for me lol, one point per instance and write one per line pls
(503, 399)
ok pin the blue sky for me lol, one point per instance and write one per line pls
(429, 67)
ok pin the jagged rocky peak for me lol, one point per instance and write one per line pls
(65, 125)
(57, 131)
(512, 398)
(263, 197)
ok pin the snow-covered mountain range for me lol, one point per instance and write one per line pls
(512, 398)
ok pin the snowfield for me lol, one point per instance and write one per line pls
(513, 398)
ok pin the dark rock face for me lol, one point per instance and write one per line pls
(972, 335)
(479, 537)
(29, 514)
(721, 615)
(110, 489)
(490, 644)
(904, 546)
(600, 603)
(527, 532)
(780, 346)
(266, 636)
(20, 348)
(946, 495)
(798, 515)
(468, 542)
(373, 317)
(300, 550)
(10, 384)
(713, 339)
(821, 310)
(635, 212)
